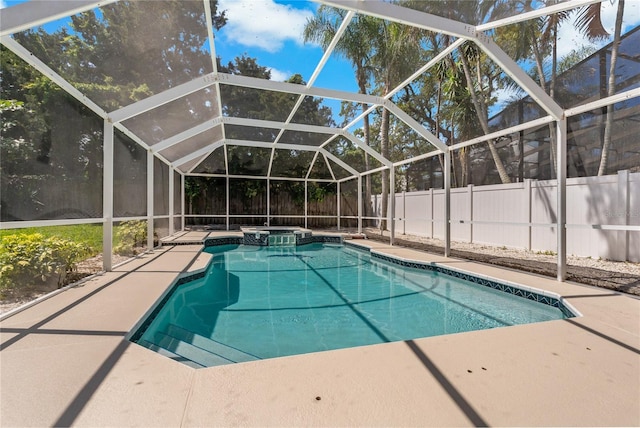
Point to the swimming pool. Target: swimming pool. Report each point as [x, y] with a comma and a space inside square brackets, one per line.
[254, 303]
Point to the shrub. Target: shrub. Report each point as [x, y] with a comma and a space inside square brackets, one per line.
[129, 236]
[28, 258]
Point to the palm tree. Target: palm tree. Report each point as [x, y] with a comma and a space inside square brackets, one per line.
[470, 59]
[468, 54]
[537, 38]
[590, 23]
[354, 45]
[396, 49]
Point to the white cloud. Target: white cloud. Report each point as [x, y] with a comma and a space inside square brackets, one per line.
[279, 75]
[3, 4]
[263, 23]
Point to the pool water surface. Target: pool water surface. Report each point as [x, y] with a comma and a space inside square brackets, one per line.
[264, 302]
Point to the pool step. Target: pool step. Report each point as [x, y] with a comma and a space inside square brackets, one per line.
[165, 352]
[227, 352]
[189, 351]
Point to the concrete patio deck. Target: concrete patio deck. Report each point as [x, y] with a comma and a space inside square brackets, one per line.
[65, 362]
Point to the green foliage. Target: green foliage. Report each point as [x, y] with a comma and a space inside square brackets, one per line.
[129, 236]
[575, 56]
[318, 191]
[28, 258]
[89, 235]
[49, 138]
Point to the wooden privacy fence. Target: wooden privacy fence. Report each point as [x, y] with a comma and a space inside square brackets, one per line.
[284, 210]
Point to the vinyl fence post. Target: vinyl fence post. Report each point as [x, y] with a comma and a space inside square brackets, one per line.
[623, 215]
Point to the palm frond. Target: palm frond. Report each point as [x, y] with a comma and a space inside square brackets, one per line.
[589, 22]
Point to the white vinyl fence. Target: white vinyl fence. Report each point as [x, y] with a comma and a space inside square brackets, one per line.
[523, 215]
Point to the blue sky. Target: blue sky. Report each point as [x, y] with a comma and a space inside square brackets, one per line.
[271, 31]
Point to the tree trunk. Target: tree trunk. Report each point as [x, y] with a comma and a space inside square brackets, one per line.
[611, 90]
[482, 117]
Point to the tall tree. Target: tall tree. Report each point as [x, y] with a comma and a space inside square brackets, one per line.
[589, 22]
[473, 63]
[480, 96]
[396, 53]
[537, 38]
[355, 46]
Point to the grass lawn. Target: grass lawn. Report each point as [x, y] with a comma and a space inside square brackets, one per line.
[90, 234]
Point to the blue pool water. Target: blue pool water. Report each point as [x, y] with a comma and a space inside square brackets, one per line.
[264, 302]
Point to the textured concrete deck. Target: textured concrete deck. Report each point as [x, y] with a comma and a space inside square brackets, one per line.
[65, 362]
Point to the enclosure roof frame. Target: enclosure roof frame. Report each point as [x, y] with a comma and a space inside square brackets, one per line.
[27, 15]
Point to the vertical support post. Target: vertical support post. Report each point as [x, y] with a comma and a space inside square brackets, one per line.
[527, 195]
[623, 211]
[150, 194]
[561, 230]
[171, 201]
[182, 204]
[338, 203]
[306, 204]
[447, 203]
[470, 196]
[226, 218]
[404, 212]
[360, 204]
[107, 197]
[392, 211]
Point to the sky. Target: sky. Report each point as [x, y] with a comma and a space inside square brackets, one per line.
[272, 32]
